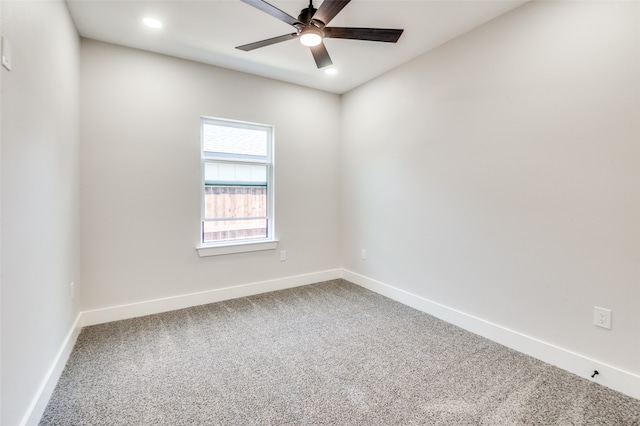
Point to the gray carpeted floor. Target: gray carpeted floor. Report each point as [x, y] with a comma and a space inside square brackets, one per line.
[328, 353]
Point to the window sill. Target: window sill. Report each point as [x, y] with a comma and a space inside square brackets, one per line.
[241, 247]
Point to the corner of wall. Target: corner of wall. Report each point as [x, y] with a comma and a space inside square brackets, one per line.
[50, 380]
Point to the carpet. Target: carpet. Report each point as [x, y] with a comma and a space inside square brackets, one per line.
[330, 353]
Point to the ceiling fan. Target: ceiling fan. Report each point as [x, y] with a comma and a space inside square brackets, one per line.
[311, 28]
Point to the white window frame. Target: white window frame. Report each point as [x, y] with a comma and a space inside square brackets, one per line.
[249, 244]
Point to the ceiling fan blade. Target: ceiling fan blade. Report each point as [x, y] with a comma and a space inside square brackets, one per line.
[321, 55]
[329, 9]
[272, 10]
[267, 42]
[372, 34]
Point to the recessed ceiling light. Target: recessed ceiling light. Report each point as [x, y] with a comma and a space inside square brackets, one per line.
[152, 22]
[331, 71]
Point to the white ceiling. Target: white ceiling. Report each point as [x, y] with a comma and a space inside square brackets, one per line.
[208, 30]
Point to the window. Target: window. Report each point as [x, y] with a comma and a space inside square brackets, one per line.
[237, 171]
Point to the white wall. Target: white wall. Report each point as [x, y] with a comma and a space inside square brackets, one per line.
[140, 175]
[39, 197]
[498, 175]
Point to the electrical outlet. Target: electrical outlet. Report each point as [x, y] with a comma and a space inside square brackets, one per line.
[363, 254]
[72, 291]
[283, 255]
[602, 317]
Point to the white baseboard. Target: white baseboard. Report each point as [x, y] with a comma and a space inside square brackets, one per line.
[610, 376]
[41, 399]
[149, 307]
[583, 366]
[115, 313]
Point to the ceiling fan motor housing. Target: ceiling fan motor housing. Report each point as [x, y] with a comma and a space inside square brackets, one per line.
[310, 30]
[307, 14]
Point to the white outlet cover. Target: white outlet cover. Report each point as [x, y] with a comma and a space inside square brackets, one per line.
[6, 53]
[602, 317]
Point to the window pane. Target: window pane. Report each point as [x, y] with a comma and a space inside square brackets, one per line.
[234, 140]
[228, 230]
[222, 202]
[237, 171]
[235, 174]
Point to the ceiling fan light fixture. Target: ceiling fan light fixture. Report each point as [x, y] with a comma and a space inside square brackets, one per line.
[311, 36]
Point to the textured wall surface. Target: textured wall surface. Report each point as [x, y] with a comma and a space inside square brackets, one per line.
[141, 178]
[500, 175]
[40, 210]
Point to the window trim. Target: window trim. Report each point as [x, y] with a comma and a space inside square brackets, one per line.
[245, 246]
[249, 244]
